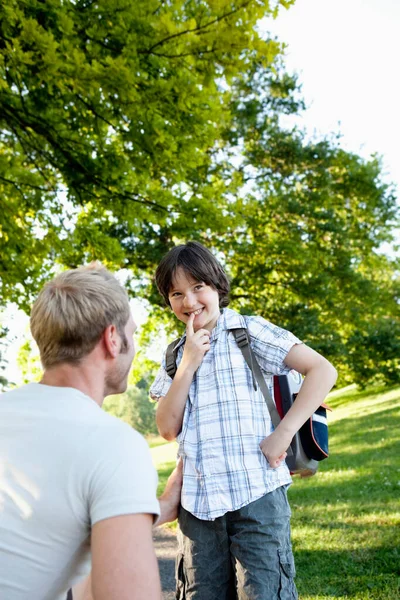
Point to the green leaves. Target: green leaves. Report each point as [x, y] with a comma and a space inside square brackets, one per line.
[128, 127]
[120, 104]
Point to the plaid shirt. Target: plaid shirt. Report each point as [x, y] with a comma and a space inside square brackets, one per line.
[225, 419]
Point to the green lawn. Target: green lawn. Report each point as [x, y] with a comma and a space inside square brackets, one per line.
[346, 519]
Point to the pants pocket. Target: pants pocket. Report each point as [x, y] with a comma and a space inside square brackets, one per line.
[180, 578]
[287, 588]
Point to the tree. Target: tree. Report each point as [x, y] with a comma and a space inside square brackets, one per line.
[129, 127]
[304, 224]
[375, 354]
[308, 254]
[107, 108]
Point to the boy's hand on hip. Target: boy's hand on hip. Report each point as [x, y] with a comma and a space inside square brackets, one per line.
[196, 345]
[274, 449]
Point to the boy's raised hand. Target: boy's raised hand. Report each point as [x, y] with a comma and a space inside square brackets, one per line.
[196, 345]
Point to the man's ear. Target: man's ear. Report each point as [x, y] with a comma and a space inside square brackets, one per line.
[112, 340]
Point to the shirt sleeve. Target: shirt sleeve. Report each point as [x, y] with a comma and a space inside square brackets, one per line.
[161, 384]
[271, 345]
[123, 480]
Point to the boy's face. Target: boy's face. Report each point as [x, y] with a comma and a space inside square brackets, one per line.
[189, 296]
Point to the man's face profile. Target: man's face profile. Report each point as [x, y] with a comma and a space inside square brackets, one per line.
[117, 378]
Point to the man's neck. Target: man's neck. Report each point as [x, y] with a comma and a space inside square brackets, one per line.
[85, 379]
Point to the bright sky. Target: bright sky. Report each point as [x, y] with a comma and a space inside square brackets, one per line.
[346, 53]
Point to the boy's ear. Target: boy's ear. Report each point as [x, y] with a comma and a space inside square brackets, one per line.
[111, 340]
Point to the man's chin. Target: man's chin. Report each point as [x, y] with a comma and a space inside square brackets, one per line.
[113, 388]
[122, 387]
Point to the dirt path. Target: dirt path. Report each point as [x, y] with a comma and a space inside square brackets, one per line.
[166, 547]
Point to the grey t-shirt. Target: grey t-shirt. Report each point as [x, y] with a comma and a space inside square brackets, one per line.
[64, 465]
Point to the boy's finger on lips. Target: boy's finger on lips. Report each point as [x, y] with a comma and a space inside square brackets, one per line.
[189, 325]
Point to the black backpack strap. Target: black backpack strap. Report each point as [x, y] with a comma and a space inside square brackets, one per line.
[170, 358]
[242, 339]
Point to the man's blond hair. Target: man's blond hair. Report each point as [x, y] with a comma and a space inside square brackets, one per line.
[73, 310]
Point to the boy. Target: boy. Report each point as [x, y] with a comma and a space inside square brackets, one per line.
[234, 538]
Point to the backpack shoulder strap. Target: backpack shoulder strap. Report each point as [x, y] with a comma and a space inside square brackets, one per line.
[242, 339]
[170, 358]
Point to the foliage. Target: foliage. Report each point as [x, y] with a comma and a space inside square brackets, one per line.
[135, 408]
[129, 127]
[144, 369]
[345, 520]
[303, 225]
[106, 109]
[376, 354]
[28, 361]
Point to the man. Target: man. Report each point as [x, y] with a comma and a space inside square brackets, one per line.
[75, 481]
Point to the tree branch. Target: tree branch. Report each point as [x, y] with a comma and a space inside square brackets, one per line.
[195, 29]
[21, 184]
[183, 55]
[94, 112]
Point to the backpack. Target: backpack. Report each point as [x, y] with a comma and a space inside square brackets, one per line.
[310, 444]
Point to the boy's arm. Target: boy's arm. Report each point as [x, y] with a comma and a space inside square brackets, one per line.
[171, 407]
[320, 376]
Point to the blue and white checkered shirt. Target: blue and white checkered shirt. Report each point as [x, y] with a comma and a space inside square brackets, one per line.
[225, 419]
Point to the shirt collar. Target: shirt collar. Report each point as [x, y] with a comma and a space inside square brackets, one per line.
[229, 319]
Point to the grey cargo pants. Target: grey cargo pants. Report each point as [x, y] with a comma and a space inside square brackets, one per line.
[244, 555]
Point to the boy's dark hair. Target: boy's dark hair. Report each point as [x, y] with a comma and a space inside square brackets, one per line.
[199, 263]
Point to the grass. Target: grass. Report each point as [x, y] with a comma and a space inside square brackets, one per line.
[346, 519]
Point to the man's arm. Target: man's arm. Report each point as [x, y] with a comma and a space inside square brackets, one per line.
[169, 507]
[124, 564]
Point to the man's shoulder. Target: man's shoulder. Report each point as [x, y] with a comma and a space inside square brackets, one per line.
[108, 429]
[72, 414]
[109, 444]
[114, 426]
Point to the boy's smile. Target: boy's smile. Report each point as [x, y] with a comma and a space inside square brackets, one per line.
[188, 296]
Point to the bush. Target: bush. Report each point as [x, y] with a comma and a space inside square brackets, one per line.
[376, 354]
